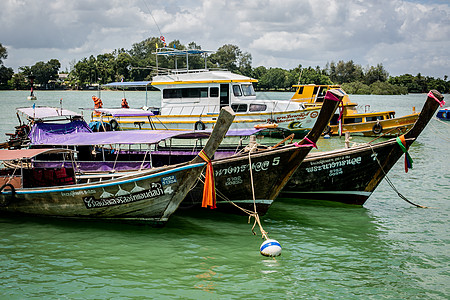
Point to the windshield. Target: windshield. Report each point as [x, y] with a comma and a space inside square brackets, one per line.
[248, 90]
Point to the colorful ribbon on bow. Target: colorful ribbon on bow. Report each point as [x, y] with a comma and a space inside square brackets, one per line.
[209, 189]
[312, 144]
[408, 160]
[441, 103]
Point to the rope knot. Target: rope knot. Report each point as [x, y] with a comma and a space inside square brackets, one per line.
[408, 160]
[209, 188]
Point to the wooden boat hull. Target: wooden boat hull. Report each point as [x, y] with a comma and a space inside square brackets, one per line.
[351, 175]
[348, 176]
[149, 196]
[146, 197]
[270, 171]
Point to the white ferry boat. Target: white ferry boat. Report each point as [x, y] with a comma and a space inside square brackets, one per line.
[192, 99]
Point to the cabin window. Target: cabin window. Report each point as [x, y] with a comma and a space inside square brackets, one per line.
[352, 120]
[248, 90]
[239, 107]
[316, 89]
[300, 90]
[185, 93]
[171, 93]
[369, 119]
[237, 90]
[334, 119]
[392, 115]
[214, 92]
[257, 107]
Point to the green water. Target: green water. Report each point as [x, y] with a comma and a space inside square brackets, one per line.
[386, 249]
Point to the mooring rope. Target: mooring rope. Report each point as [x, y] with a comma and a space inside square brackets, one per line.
[438, 131]
[391, 184]
[250, 213]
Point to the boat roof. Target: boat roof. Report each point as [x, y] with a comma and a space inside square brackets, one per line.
[43, 112]
[128, 84]
[314, 85]
[19, 154]
[201, 76]
[167, 51]
[124, 112]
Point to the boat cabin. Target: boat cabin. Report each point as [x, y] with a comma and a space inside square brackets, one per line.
[206, 91]
[19, 170]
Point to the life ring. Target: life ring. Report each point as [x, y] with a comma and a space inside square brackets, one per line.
[114, 125]
[199, 125]
[377, 128]
[13, 194]
[294, 125]
[327, 130]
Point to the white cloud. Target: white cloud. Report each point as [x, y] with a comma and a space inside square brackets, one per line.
[406, 36]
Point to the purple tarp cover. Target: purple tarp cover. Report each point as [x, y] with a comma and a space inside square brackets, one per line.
[41, 133]
[109, 137]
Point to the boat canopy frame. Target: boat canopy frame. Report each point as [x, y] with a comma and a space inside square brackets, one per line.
[167, 51]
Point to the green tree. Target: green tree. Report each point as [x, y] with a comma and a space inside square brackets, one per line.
[44, 72]
[5, 75]
[123, 65]
[18, 82]
[275, 78]
[311, 76]
[356, 88]
[385, 88]
[230, 57]
[374, 74]
[344, 72]
[3, 53]
[105, 67]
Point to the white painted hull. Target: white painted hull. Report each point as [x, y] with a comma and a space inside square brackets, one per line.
[292, 121]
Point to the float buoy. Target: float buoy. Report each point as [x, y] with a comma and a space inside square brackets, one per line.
[377, 128]
[7, 201]
[114, 125]
[270, 248]
[199, 125]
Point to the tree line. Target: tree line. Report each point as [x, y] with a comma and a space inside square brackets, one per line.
[138, 63]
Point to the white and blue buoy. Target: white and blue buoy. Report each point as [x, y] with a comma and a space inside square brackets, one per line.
[270, 247]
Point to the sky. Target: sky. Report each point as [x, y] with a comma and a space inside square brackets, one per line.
[407, 37]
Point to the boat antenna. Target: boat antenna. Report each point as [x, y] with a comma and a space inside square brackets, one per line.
[160, 34]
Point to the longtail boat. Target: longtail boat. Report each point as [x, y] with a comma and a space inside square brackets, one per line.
[351, 175]
[349, 119]
[149, 196]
